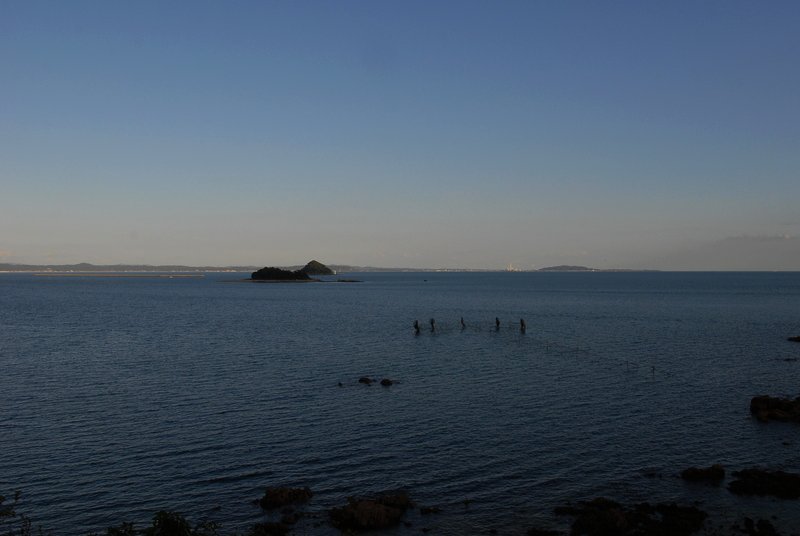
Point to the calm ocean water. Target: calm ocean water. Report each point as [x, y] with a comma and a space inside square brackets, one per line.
[123, 396]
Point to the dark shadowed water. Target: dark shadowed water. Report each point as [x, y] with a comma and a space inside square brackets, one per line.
[120, 397]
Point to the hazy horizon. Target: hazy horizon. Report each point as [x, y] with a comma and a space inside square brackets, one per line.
[446, 135]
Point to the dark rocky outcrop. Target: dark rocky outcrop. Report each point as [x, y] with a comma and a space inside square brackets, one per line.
[794, 339]
[604, 517]
[768, 408]
[316, 268]
[757, 481]
[277, 497]
[760, 528]
[269, 529]
[711, 475]
[376, 513]
[386, 382]
[270, 273]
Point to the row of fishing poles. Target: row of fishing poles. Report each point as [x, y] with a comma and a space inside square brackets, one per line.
[522, 326]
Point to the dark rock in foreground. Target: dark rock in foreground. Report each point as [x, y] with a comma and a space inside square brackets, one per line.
[604, 517]
[269, 529]
[761, 528]
[370, 514]
[276, 497]
[794, 339]
[542, 532]
[763, 482]
[712, 475]
[270, 273]
[767, 408]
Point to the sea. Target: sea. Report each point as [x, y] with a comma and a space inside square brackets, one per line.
[123, 396]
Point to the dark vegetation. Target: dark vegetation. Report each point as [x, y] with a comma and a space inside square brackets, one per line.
[270, 273]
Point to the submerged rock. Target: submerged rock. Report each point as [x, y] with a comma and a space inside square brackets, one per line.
[370, 514]
[794, 339]
[757, 481]
[767, 408]
[277, 497]
[428, 510]
[712, 475]
[365, 380]
[604, 517]
[386, 382]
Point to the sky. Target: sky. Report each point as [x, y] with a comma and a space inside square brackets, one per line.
[428, 134]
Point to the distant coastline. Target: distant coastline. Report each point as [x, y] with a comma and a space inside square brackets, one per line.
[339, 268]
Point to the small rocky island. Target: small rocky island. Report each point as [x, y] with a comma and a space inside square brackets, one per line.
[270, 273]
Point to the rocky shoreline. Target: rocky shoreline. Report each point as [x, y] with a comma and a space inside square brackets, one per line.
[285, 512]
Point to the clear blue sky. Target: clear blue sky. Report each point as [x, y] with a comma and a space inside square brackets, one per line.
[421, 134]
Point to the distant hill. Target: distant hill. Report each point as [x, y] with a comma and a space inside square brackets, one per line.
[316, 268]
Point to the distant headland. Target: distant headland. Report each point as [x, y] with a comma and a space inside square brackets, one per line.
[570, 268]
